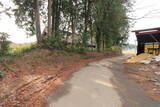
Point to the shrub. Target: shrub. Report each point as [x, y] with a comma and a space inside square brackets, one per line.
[2, 73]
[4, 43]
[116, 49]
[52, 43]
[23, 48]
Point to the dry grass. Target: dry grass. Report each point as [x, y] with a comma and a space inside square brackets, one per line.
[129, 52]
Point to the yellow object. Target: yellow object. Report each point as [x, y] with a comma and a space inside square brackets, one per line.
[151, 48]
[138, 58]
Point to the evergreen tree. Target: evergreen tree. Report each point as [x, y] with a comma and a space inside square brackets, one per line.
[102, 22]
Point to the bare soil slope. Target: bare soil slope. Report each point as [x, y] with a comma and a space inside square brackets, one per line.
[32, 77]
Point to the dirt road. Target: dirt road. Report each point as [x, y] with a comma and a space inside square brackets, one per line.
[100, 84]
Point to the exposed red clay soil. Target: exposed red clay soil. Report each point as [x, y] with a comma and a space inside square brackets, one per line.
[146, 77]
[32, 77]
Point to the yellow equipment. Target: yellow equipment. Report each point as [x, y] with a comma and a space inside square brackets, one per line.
[152, 48]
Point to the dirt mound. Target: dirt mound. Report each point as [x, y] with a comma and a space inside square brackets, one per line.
[138, 58]
[32, 77]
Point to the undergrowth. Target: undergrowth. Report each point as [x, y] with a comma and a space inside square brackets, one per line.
[2, 73]
[20, 49]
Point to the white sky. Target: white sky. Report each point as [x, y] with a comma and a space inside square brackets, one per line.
[141, 7]
[8, 25]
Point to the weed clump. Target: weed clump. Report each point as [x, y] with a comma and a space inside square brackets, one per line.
[2, 73]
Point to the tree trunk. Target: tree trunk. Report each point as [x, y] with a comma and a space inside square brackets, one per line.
[103, 40]
[90, 20]
[85, 23]
[57, 17]
[72, 20]
[38, 25]
[98, 39]
[73, 31]
[53, 17]
[49, 18]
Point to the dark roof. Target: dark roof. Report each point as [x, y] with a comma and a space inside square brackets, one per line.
[150, 29]
[147, 31]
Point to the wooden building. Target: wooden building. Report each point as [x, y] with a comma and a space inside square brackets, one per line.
[148, 41]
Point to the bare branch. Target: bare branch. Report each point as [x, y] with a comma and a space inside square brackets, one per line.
[5, 10]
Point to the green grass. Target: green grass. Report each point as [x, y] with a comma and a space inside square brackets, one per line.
[2, 73]
[19, 49]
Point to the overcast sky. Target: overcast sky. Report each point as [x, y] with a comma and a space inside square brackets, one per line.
[151, 8]
[141, 8]
[8, 25]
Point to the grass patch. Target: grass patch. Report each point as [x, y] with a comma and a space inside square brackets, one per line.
[22, 48]
[2, 73]
[17, 50]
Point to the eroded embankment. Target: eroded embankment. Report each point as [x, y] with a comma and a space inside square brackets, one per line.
[32, 77]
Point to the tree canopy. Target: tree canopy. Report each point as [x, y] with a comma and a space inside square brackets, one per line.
[76, 22]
